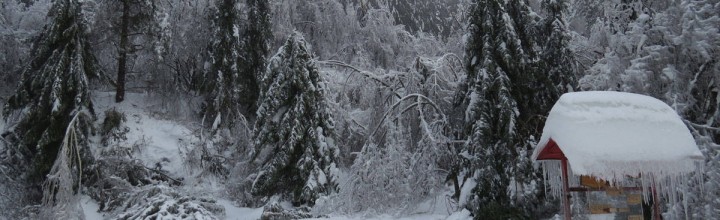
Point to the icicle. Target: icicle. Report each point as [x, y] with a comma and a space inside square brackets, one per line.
[545, 177]
[552, 175]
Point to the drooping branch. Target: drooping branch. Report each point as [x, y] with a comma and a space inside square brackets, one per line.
[59, 199]
[700, 126]
[367, 74]
[420, 100]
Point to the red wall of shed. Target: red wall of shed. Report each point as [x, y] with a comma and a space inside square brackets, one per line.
[551, 152]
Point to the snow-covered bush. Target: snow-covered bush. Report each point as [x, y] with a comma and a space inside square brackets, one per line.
[275, 211]
[111, 129]
[163, 202]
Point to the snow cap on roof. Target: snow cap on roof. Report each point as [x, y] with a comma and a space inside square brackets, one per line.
[613, 134]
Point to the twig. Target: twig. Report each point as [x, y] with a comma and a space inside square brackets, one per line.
[699, 126]
[407, 97]
[358, 124]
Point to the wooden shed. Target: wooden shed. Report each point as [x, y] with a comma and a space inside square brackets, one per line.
[607, 138]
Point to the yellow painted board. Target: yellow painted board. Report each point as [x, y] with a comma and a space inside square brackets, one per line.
[592, 182]
[634, 199]
[635, 217]
[613, 192]
[599, 208]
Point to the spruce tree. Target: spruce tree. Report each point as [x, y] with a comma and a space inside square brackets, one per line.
[52, 90]
[257, 45]
[557, 60]
[501, 91]
[294, 131]
[223, 90]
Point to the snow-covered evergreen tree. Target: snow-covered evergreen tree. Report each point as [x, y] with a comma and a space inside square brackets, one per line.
[427, 16]
[556, 56]
[506, 89]
[53, 89]
[223, 90]
[257, 40]
[494, 52]
[294, 132]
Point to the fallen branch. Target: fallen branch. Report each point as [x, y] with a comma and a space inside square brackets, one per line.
[178, 182]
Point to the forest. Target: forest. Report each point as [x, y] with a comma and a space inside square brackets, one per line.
[330, 109]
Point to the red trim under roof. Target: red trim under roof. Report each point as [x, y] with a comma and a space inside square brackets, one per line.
[551, 151]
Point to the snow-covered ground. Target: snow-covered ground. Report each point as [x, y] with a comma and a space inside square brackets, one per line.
[233, 212]
[164, 140]
[165, 145]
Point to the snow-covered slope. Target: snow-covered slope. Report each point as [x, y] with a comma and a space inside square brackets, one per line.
[163, 144]
[164, 140]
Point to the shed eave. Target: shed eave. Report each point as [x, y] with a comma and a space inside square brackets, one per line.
[551, 151]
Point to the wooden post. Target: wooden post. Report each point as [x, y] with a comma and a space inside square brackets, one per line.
[566, 190]
[656, 202]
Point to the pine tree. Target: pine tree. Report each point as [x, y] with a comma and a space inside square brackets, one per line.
[501, 91]
[294, 132]
[223, 90]
[53, 89]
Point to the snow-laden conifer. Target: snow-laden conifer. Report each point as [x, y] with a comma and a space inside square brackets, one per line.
[294, 133]
[225, 87]
[501, 93]
[53, 89]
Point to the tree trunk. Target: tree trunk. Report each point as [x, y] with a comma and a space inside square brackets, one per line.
[122, 58]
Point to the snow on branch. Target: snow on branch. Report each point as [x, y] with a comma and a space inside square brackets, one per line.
[60, 200]
[700, 126]
[421, 100]
[380, 80]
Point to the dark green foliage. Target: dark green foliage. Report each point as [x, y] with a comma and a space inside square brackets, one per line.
[507, 91]
[557, 61]
[225, 87]
[294, 131]
[53, 89]
[496, 211]
[237, 55]
[257, 46]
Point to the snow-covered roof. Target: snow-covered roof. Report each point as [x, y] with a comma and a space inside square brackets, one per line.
[613, 134]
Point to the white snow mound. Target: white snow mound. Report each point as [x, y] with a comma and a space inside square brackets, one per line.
[613, 134]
